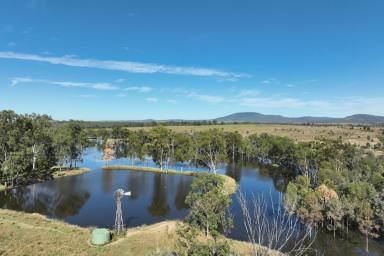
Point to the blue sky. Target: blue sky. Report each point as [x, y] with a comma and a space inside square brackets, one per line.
[119, 60]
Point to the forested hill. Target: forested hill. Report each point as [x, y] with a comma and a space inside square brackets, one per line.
[254, 117]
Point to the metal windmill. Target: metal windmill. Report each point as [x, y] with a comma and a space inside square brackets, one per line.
[119, 224]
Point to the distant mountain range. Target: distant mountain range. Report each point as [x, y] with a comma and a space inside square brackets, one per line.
[254, 117]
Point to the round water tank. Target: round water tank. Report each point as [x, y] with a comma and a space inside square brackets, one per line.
[100, 236]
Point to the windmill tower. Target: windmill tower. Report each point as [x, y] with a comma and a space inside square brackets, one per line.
[119, 224]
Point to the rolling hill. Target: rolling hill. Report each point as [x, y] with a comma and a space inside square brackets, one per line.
[254, 117]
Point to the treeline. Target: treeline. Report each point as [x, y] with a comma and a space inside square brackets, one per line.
[145, 123]
[338, 185]
[30, 146]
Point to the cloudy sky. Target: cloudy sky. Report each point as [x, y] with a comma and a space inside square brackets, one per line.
[119, 60]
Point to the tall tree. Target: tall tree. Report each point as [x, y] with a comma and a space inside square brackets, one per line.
[159, 146]
[75, 140]
[211, 149]
[234, 143]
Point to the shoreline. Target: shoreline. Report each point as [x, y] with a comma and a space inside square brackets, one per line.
[55, 175]
[229, 184]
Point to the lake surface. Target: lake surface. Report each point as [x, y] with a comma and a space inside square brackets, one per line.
[87, 200]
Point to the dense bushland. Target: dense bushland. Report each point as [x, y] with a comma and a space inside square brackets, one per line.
[30, 147]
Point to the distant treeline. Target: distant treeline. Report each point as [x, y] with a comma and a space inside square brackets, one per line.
[145, 123]
[152, 123]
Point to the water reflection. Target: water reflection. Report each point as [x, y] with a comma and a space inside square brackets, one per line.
[57, 200]
[181, 193]
[159, 205]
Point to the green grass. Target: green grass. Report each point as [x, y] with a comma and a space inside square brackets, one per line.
[148, 169]
[69, 172]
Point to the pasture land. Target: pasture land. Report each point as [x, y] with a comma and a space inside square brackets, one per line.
[354, 134]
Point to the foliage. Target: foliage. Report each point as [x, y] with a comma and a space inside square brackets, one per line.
[208, 204]
[30, 147]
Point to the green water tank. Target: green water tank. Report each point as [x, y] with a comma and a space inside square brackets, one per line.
[100, 236]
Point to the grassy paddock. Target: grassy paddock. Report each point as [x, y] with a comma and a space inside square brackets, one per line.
[348, 133]
[34, 234]
[229, 184]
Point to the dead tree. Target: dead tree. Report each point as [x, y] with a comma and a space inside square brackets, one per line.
[272, 227]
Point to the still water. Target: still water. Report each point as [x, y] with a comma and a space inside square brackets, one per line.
[87, 200]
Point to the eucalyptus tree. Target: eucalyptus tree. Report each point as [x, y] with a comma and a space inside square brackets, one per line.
[74, 140]
[132, 145]
[233, 142]
[159, 145]
[211, 149]
[40, 140]
[182, 147]
[7, 125]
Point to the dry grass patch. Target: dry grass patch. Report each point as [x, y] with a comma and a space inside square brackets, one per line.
[348, 133]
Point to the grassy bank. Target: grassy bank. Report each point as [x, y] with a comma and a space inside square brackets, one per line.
[229, 184]
[57, 174]
[33, 234]
[69, 172]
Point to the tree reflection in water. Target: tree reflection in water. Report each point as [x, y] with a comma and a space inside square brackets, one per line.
[182, 190]
[159, 205]
[54, 199]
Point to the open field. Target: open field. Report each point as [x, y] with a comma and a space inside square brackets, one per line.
[348, 133]
[229, 185]
[33, 234]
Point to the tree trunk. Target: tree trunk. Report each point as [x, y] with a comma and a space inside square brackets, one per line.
[34, 157]
[366, 242]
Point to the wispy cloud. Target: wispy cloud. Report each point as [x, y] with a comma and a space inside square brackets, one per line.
[206, 98]
[248, 93]
[270, 81]
[195, 95]
[119, 80]
[126, 66]
[139, 88]
[152, 99]
[97, 86]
